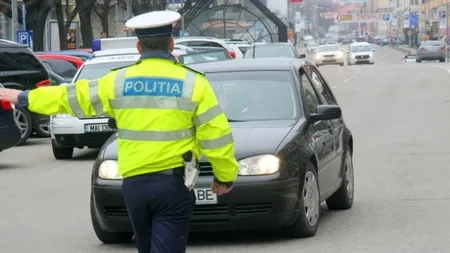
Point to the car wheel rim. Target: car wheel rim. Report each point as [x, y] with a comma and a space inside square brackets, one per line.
[349, 177]
[22, 121]
[45, 128]
[311, 198]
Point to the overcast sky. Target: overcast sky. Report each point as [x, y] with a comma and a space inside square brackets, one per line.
[278, 5]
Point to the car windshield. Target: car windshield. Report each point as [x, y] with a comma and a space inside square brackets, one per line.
[360, 48]
[94, 71]
[330, 48]
[312, 44]
[270, 51]
[432, 44]
[255, 95]
[218, 55]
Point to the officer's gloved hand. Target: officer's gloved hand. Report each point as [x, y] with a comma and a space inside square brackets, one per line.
[221, 188]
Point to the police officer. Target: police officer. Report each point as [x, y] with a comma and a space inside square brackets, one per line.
[163, 110]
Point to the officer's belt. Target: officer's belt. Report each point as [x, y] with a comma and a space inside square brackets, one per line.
[179, 171]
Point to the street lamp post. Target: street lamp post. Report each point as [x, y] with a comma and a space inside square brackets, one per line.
[14, 17]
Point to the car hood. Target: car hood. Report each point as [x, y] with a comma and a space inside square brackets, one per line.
[251, 138]
[361, 53]
[330, 52]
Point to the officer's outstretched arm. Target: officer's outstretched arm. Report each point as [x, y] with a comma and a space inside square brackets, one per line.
[85, 98]
[214, 133]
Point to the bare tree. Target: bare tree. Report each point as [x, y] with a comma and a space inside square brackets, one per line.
[102, 10]
[143, 6]
[37, 12]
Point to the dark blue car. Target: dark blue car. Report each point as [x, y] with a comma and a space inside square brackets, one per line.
[9, 129]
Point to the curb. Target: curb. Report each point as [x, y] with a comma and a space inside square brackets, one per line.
[403, 49]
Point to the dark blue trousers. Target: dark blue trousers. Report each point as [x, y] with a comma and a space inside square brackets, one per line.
[160, 209]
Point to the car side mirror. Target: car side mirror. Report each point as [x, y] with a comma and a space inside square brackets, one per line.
[326, 112]
[112, 123]
[302, 56]
[373, 50]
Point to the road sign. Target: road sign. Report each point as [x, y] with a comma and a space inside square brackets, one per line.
[414, 19]
[442, 14]
[386, 17]
[409, 33]
[26, 38]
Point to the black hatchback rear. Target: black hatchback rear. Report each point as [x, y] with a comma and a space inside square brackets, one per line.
[9, 129]
[20, 69]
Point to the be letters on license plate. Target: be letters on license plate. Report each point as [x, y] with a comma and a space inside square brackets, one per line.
[97, 128]
[205, 196]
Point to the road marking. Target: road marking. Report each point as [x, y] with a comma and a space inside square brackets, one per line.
[334, 86]
[346, 80]
[443, 67]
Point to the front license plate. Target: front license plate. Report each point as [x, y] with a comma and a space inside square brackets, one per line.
[97, 128]
[205, 196]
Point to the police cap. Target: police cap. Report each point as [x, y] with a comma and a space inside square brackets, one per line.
[154, 23]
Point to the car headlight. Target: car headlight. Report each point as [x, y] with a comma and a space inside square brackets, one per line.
[63, 116]
[109, 170]
[340, 54]
[318, 56]
[259, 165]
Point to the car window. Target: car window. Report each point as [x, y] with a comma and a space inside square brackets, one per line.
[270, 51]
[65, 68]
[255, 95]
[309, 94]
[14, 59]
[48, 66]
[360, 48]
[199, 44]
[320, 86]
[330, 48]
[95, 71]
[215, 44]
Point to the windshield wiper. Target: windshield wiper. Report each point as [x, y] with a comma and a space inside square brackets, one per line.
[234, 120]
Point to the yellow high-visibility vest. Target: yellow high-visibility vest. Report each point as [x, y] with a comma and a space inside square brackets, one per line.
[163, 110]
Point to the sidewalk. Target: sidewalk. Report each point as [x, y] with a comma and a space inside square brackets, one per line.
[404, 49]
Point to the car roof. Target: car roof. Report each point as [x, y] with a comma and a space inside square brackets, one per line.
[58, 56]
[327, 45]
[360, 43]
[113, 52]
[248, 65]
[113, 58]
[8, 43]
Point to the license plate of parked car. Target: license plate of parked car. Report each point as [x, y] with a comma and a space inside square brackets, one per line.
[97, 128]
[205, 196]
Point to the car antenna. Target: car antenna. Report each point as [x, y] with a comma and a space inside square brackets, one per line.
[254, 49]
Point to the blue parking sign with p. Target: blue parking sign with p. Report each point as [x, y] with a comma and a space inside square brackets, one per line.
[442, 14]
[25, 37]
[386, 17]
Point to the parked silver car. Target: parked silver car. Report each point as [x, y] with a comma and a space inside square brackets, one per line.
[430, 50]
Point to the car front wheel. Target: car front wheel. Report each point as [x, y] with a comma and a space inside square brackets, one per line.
[25, 122]
[342, 199]
[61, 153]
[102, 235]
[309, 211]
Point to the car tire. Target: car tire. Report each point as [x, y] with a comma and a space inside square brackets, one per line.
[306, 224]
[341, 64]
[342, 199]
[107, 237]
[43, 130]
[25, 122]
[61, 153]
[442, 60]
[418, 60]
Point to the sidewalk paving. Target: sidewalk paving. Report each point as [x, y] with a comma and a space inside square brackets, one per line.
[404, 49]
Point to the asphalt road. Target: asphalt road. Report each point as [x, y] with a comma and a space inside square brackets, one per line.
[399, 115]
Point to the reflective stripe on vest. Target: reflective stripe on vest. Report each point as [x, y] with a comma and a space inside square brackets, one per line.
[184, 103]
[216, 143]
[94, 97]
[208, 115]
[73, 100]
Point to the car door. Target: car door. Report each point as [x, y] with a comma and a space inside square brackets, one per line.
[337, 126]
[322, 135]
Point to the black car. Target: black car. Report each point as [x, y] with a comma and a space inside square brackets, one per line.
[292, 144]
[63, 68]
[22, 70]
[9, 129]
